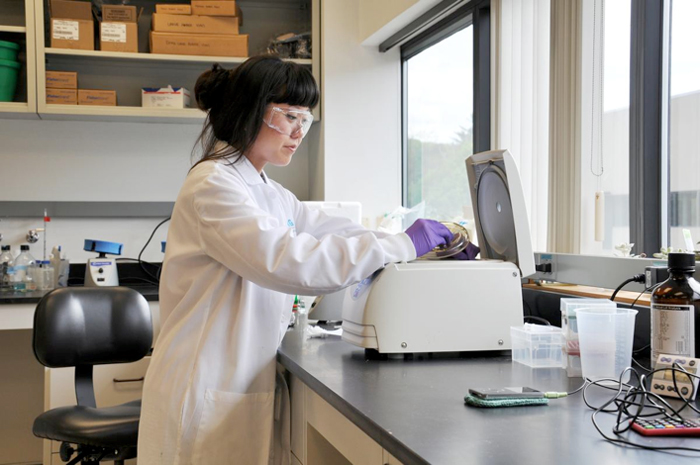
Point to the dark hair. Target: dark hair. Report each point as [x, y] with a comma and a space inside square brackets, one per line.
[235, 101]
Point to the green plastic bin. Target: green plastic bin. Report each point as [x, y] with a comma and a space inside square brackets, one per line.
[8, 50]
[8, 79]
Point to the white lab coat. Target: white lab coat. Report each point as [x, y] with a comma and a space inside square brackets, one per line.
[239, 244]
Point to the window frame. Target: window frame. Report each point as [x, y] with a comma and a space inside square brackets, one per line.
[476, 13]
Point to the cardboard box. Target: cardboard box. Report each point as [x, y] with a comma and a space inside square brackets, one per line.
[194, 24]
[119, 37]
[120, 13]
[77, 34]
[61, 80]
[199, 44]
[173, 9]
[72, 25]
[62, 96]
[119, 29]
[97, 97]
[214, 7]
[166, 97]
[71, 9]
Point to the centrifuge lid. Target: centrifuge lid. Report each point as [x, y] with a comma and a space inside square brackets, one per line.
[500, 215]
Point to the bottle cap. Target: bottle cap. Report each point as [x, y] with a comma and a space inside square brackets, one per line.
[5, 248]
[681, 261]
[24, 247]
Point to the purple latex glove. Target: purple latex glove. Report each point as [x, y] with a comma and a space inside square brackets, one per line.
[469, 253]
[428, 234]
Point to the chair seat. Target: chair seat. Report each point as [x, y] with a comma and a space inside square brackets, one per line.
[116, 426]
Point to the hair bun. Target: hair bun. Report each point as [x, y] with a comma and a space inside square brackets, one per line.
[210, 87]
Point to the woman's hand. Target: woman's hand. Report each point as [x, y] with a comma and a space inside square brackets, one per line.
[428, 234]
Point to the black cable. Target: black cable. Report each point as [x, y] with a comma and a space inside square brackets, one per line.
[537, 318]
[638, 402]
[638, 278]
[650, 288]
[580, 388]
[156, 277]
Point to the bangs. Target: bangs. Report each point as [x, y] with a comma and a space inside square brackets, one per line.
[296, 87]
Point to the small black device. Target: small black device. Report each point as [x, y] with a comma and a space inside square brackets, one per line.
[506, 393]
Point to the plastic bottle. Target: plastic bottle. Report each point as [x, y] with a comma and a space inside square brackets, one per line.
[7, 263]
[23, 280]
[302, 315]
[60, 267]
[295, 310]
[675, 310]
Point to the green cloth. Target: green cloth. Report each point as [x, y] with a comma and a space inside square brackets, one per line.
[507, 402]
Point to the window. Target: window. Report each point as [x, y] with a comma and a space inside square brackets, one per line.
[439, 107]
[684, 121]
[605, 165]
[446, 73]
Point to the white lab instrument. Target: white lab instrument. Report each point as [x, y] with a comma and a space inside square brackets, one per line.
[102, 270]
[453, 305]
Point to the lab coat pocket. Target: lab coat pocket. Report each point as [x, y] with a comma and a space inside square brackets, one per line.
[234, 428]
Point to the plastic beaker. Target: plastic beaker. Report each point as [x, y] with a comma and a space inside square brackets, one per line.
[605, 337]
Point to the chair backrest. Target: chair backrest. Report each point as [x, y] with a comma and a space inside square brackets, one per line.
[91, 326]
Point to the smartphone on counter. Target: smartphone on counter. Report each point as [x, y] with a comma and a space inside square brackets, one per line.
[506, 393]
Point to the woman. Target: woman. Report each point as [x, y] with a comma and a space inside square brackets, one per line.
[239, 246]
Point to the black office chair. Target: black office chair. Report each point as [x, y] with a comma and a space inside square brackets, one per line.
[82, 327]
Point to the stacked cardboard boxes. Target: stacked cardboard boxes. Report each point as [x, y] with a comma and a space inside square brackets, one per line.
[62, 88]
[212, 29]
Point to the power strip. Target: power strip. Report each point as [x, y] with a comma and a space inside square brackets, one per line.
[662, 382]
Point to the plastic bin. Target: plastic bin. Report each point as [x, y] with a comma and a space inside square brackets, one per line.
[8, 79]
[8, 50]
[537, 346]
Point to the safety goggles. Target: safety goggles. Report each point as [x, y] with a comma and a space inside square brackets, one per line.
[289, 122]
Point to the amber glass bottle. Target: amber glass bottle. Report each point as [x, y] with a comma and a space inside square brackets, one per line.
[675, 310]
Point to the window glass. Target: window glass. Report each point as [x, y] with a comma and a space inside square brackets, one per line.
[684, 116]
[439, 85]
[614, 159]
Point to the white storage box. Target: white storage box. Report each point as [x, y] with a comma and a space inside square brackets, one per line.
[167, 97]
[537, 346]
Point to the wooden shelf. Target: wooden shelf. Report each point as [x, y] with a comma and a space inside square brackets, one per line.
[124, 113]
[17, 29]
[150, 57]
[626, 297]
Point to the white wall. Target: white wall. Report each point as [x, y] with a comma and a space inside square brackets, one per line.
[89, 161]
[361, 140]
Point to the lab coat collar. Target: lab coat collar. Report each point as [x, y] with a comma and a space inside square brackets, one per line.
[244, 167]
[248, 171]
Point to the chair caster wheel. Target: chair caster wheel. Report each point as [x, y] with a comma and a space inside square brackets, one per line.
[66, 451]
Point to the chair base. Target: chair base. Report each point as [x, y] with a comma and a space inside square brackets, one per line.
[91, 454]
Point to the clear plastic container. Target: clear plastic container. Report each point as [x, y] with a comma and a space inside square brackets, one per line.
[572, 356]
[606, 336]
[43, 275]
[537, 346]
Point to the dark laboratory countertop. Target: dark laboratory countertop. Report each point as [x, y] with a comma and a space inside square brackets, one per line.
[130, 275]
[415, 408]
